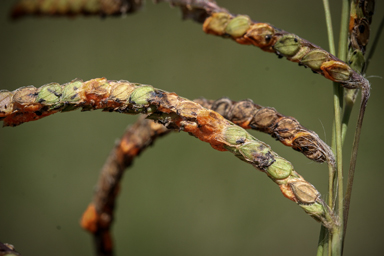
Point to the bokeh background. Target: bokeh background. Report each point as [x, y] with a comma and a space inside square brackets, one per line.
[181, 197]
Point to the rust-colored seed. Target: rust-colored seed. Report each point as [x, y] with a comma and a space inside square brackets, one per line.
[261, 35]
[336, 71]
[286, 128]
[181, 114]
[246, 114]
[309, 147]
[216, 24]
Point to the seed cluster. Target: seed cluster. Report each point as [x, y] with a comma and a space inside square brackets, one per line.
[71, 7]
[359, 32]
[31, 103]
[286, 129]
[270, 39]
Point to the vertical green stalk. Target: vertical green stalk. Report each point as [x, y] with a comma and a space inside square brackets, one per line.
[337, 233]
[323, 241]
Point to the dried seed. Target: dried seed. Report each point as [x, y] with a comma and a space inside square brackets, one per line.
[121, 91]
[264, 119]
[261, 34]
[305, 192]
[222, 106]
[216, 23]
[25, 95]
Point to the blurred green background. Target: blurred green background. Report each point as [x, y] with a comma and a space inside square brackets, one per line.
[181, 197]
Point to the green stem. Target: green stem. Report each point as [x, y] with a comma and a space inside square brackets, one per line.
[337, 233]
[328, 19]
[343, 41]
[323, 242]
[336, 247]
[336, 241]
[350, 98]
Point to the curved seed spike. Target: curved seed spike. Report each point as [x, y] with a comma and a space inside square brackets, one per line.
[74, 7]
[272, 39]
[240, 28]
[116, 96]
[286, 129]
[119, 95]
[99, 216]
[179, 113]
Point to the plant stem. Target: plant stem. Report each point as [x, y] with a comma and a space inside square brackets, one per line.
[328, 20]
[337, 232]
[323, 242]
[359, 66]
